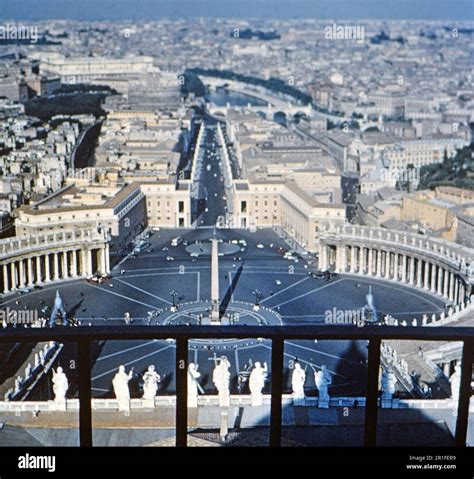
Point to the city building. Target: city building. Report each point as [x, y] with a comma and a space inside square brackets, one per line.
[119, 210]
[84, 69]
[283, 204]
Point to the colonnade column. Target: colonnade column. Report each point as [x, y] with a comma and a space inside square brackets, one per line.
[107, 258]
[440, 285]
[412, 270]
[74, 263]
[433, 278]
[427, 272]
[340, 251]
[451, 286]
[353, 252]
[47, 273]
[13, 275]
[404, 268]
[21, 270]
[102, 259]
[65, 272]
[387, 265]
[5, 277]
[30, 275]
[460, 297]
[369, 262]
[323, 260]
[39, 274]
[446, 283]
[456, 290]
[419, 281]
[56, 266]
[88, 262]
[379, 263]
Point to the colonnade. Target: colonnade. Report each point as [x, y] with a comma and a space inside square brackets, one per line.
[36, 262]
[397, 261]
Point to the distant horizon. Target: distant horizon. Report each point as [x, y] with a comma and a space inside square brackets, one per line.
[258, 10]
[4, 20]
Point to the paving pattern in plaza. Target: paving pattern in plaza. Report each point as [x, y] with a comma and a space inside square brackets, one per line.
[143, 285]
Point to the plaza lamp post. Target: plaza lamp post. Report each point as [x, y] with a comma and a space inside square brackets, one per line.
[258, 296]
[174, 295]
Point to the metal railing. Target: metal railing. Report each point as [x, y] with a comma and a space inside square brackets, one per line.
[82, 337]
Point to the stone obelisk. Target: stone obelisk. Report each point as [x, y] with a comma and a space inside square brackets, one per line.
[215, 317]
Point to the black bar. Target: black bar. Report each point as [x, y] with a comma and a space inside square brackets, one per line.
[464, 394]
[277, 391]
[372, 393]
[322, 332]
[85, 414]
[181, 392]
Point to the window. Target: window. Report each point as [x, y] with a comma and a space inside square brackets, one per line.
[181, 207]
[243, 207]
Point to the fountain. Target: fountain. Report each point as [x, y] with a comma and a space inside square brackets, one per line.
[58, 315]
[369, 312]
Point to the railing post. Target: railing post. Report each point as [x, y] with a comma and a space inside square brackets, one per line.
[85, 414]
[371, 402]
[464, 394]
[181, 392]
[277, 392]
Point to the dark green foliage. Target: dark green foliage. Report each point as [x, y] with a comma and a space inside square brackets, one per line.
[274, 84]
[71, 104]
[192, 84]
[457, 171]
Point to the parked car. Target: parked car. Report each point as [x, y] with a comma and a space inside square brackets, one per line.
[141, 247]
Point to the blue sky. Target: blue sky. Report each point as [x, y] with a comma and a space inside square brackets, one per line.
[154, 9]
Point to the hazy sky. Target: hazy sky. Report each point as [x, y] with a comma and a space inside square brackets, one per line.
[155, 9]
